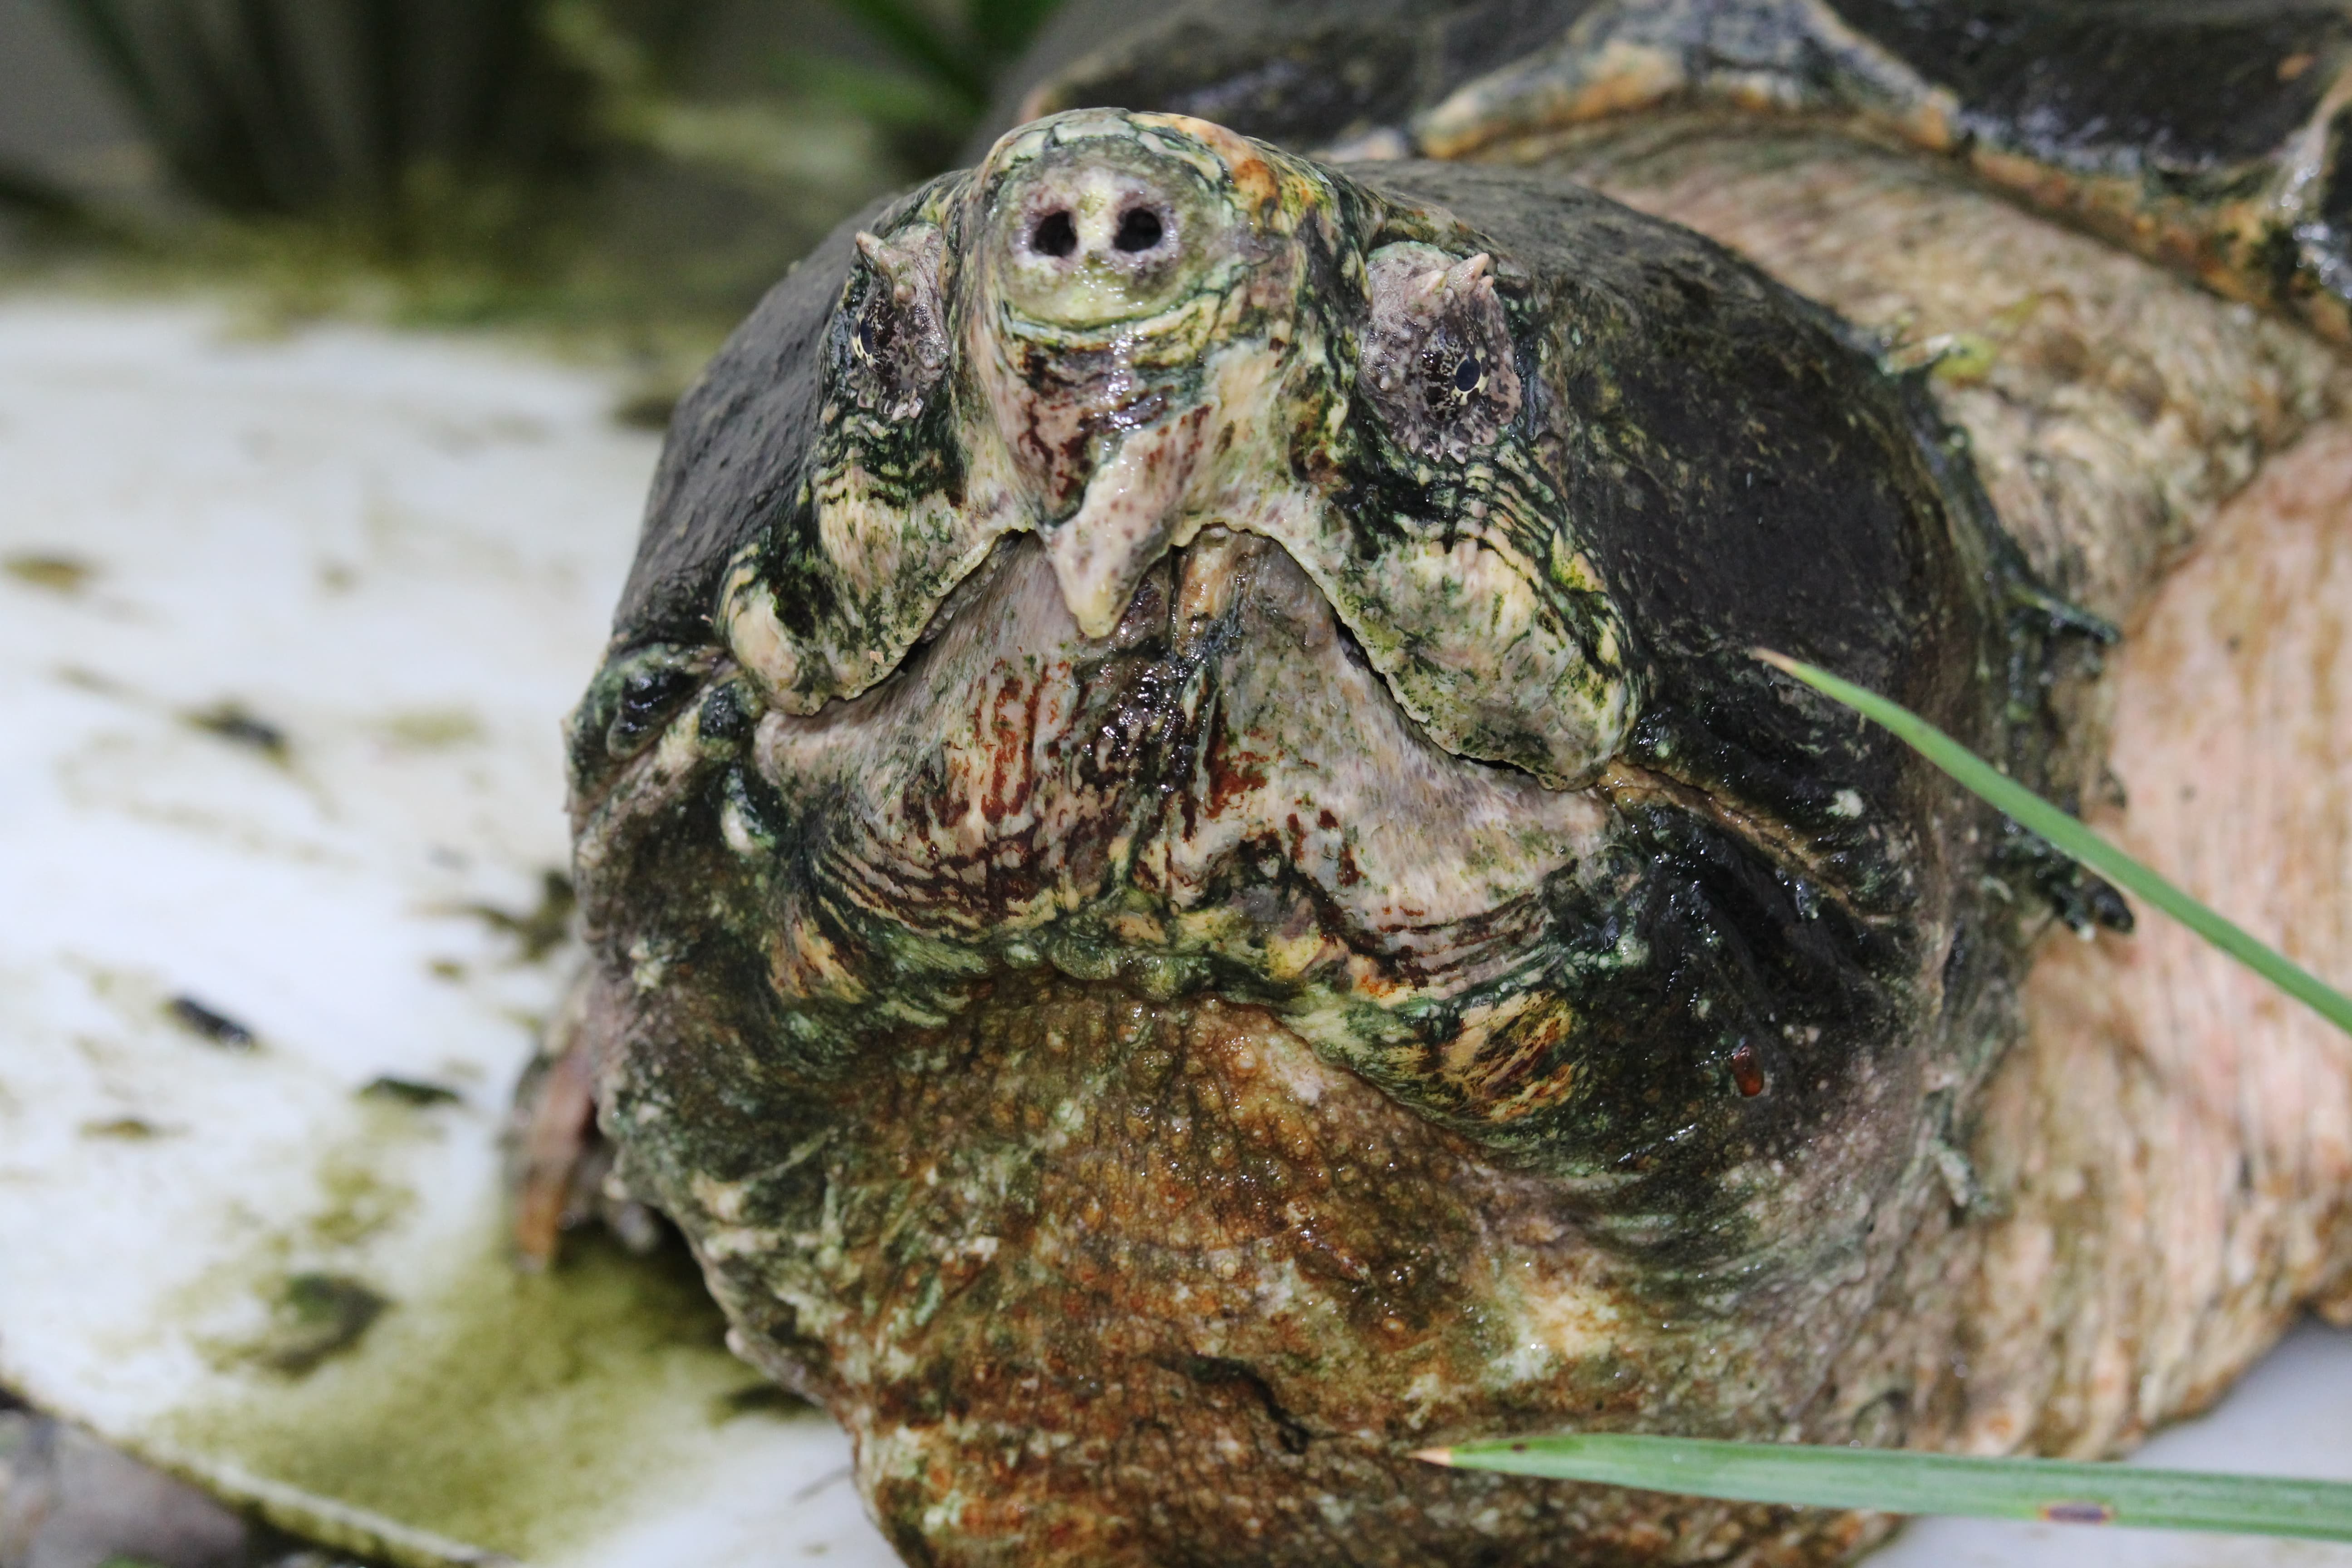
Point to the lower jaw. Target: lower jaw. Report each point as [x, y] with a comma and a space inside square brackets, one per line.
[1095, 1279]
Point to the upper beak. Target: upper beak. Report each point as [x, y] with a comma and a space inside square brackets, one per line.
[1128, 518]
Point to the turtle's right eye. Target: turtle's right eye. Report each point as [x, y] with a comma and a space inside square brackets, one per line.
[898, 339]
[1466, 585]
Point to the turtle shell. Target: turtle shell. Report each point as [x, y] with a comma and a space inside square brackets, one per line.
[2208, 134]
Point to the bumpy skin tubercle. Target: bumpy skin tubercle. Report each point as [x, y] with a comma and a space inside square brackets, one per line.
[1193, 889]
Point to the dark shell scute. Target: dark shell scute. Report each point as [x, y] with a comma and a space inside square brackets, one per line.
[1299, 71]
[2177, 89]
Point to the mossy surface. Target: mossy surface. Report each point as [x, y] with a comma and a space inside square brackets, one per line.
[514, 1412]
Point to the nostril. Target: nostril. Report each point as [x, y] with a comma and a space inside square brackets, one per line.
[1054, 235]
[1141, 229]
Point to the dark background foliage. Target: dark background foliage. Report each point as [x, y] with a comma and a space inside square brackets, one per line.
[650, 164]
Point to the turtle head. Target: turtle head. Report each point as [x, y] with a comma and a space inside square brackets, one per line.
[1123, 328]
[1136, 930]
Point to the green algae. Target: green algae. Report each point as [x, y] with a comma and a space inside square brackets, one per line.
[59, 574]
[542, 928]
[508, 1411]
[434, 729]
[361, 1205]
[317, 1316]
[424, 1408]
[232, 721]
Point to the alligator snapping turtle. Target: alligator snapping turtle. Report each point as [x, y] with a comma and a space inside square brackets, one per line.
[1193, 887]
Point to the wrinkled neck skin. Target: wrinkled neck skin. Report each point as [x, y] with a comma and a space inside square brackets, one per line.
[1195, 928]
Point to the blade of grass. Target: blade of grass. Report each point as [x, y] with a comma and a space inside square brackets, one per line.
[2038, 815]
[1903, 1482]
[1896, 1481]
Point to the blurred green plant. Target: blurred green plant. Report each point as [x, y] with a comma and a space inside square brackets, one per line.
[773, 141]
[35, 196]
[943, 64]
[584, 162]
[396, 122]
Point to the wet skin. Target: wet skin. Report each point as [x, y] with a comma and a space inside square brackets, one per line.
[1194, 887]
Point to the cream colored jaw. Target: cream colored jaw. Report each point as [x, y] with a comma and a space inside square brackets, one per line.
[1128, 520]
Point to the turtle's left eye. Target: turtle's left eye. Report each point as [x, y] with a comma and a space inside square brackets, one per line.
[1437, 356]
[1450, 380]
[898, 343]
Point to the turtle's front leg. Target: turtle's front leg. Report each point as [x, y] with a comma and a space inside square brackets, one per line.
[560, 1167]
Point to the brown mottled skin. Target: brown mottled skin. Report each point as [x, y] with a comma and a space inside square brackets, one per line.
[1191, 897]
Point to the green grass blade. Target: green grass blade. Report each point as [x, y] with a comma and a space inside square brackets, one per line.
[2038, 815]
[1898, 1481]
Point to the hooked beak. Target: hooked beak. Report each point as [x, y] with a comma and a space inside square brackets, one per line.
[1110, 249]
[1128, 518]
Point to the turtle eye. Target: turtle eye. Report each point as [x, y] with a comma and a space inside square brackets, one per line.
[1450, 380]
[898, 343]
[1437, 356]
